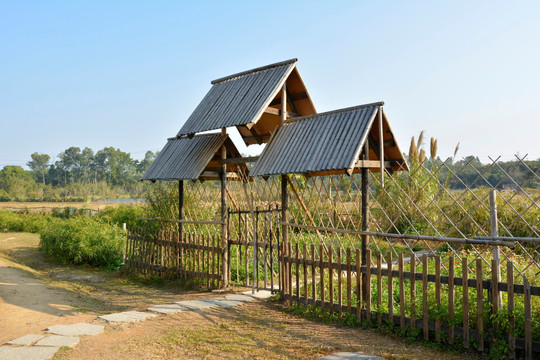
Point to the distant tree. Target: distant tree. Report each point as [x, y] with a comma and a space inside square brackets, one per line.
[39, 164]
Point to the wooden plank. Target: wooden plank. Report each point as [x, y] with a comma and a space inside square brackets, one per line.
[413, 291]
[358, 287]
[495, 295]
[438, 298]
[451, 273]
[367, 285]
[401, 294]
[511, 316]
[528, 320]
[330, 278]
[340, 283]
[479, 305]
[465, 277]
[349, 305]
[425, 316]
[321, 267]
[379, 288]
[297, 273]
[306, 284]
[289, 270]
[390, 317]
[313, 279]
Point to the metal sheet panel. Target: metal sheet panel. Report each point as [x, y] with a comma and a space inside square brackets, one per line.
[184, 159]
[238, 99]
[317, 143]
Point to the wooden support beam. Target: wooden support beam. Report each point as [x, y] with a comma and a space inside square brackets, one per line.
[277, 112]
[264, 138]
[365, 218]
[373, 164]
[241, 160]
[293, 97]
[256, 136]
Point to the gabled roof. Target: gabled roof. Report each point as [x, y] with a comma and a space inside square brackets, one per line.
[329, 143]
[250, 101]
[196, 158]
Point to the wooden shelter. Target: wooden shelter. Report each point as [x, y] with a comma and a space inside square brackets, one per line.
[331, 143]
[252, 102]
[196, 158]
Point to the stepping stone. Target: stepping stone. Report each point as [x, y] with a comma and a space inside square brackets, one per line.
[76, 329]
[25, 340]
[224, 303]
[351, 356]
[127, 316]
[166, 308]
[27, 353]
[195, 304]
[263, 294]
[239, 297]
[58, 341]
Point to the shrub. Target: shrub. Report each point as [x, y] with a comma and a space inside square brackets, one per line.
[129, 214]
[80, 240]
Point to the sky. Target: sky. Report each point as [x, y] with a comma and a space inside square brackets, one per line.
[129, 73]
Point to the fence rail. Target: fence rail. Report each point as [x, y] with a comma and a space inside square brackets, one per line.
[463, 308]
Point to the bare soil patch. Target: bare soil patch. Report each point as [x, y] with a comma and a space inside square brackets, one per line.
[258, 330]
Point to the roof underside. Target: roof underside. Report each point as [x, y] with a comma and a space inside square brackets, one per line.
[251, 101]
[329, 143]
[196, 158]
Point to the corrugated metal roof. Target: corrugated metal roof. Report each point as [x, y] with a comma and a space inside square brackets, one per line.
[322, 142]
[238, 99]
[185, 158]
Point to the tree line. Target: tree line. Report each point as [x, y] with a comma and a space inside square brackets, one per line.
[76, 175]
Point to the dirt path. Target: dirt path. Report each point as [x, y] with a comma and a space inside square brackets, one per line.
[27, 305]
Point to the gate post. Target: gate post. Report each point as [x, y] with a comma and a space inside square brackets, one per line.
[365, 223]
[224, 241]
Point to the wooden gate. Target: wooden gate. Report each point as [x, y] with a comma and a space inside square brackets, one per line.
[253, 246]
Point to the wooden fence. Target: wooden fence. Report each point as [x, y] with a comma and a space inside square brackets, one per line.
[161, 253]
[421, 302]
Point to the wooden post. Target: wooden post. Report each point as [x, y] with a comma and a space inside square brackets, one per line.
[511, 316]
[451, 272]
[224, 240]
[180, 225]
[283, 104]
[465, 276]
[479, 305]
[365, 216]
[381, 145]
[527, 316]
[284, 209]
[413, 290]
[425, 316]
[495, 232]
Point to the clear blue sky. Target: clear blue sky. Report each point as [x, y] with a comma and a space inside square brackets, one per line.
[129, 73]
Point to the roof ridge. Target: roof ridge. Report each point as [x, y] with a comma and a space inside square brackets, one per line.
[290, 61]
[185, 136]
[296, 119]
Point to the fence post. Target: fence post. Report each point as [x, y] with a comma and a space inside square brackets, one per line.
[528, 321]
[365, 215]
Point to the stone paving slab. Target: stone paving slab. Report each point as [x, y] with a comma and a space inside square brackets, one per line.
[166, 308]
[58, 341]
[26, 340]
[351, 356]
[27, 353]
[127, 316]
[263, 294]
[224, 302]
[239, 297]
[195, 304]
[76, 329]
